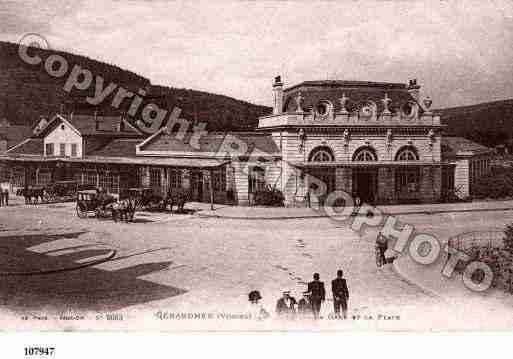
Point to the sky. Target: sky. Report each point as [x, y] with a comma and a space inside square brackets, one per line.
[460, 52]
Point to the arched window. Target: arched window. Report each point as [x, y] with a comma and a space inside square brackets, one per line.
[407, 153]
[321, 154]
[365, 154]
[323, 108]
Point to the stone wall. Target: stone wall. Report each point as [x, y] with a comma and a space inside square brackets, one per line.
[344, 179]
[239, 172]
[461, 178]
[292, 151]
[430, 184]
[386, 185]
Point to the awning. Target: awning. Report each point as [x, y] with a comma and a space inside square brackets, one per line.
[369, 164]
[155, 161]
[148, 161]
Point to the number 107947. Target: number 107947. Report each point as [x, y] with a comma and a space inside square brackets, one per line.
[39, 351]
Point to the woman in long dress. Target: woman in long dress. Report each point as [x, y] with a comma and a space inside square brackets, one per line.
[256, 310]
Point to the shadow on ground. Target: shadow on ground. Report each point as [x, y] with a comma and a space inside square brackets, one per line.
[82, 289]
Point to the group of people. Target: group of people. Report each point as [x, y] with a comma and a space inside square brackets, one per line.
[310, 304]
[4, 197]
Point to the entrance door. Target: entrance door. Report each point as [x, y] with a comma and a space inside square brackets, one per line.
[326, 176]
[365, 184]
[196, 186]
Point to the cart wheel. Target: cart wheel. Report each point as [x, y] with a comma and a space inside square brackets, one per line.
[131, 215]
[81, 213]
[379, 262]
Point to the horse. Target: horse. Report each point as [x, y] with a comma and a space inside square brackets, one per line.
[178, 196]
[104, 204]
[123, 210]
[32, 195]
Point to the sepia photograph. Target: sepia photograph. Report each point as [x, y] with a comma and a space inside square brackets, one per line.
[255, 166]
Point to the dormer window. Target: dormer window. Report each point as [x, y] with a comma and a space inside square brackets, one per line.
[323, 108]
[367, 110]
[408, 110]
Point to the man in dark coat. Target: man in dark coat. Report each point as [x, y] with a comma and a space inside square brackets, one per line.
[340, 294]
[6, 196]
[286, 306]
[317, 294]
[381, 248]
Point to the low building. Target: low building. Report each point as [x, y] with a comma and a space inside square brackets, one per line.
[471, 160]
[376, 141]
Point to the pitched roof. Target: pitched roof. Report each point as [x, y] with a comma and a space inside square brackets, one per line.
[459, 146]
[87, 126]
[210, 143]
[14, 134]
[121, 147]
[30, 146]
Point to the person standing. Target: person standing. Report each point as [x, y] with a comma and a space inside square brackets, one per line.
[6, 196]
[340, 294]
[286, 306]
[304, 307]
[381, 247]
[317, 294]
[1, 197]
[256, 310]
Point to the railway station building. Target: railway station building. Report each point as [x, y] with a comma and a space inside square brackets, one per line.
[377, 141]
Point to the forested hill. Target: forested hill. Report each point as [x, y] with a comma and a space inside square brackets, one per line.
[28, 92]
[489, 123]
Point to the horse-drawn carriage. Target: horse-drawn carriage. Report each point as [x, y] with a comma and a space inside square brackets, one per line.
[102, 205]
[144, 198]
[59, 191]
[32, 194]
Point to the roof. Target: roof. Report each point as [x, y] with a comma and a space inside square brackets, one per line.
[459, 146]
[30, 146]
[209, 143]
[349, 83]
[86, 125]
[14, 134]
[154, 161]
[141, 160]
[357, 92]
[121, 147]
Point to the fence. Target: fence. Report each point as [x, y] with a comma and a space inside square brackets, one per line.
[487, 247]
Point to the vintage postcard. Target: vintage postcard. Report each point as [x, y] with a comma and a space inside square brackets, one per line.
[256, 166]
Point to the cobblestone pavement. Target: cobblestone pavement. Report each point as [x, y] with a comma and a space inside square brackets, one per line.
[184, 263]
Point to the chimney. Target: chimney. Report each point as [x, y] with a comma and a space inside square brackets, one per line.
[278, 95]
[120, 126]
[414, 89]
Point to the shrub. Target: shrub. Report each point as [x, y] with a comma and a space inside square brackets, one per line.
[508, 239]
[497, 184]
[269, 197]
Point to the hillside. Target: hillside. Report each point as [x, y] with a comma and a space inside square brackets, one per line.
[28, 92]
[489, 123]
